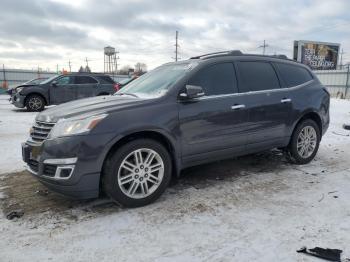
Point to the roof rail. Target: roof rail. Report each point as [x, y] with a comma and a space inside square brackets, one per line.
[280, 56]
[229, 52]
[237, 53]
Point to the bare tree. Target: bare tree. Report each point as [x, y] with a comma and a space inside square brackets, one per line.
[125, 70]
[140, 68]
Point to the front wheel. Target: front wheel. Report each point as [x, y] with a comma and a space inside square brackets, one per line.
[305, 142]
[137, 173]
[35, 103]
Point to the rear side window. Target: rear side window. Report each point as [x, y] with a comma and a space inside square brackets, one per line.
[105, 80]
[65, 80]
[257, 76]
[293, 75]
[216, 79]
[85, 80]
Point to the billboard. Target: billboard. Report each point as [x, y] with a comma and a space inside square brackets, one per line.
[317, 55]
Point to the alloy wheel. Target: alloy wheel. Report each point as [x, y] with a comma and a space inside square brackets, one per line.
[35, 103]
[140, 173]
[307, 141]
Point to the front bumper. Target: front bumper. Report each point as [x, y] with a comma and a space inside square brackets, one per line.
[70, 166]
[17, 99]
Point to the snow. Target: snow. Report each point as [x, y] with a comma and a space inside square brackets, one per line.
[253, 211]
[14, 129]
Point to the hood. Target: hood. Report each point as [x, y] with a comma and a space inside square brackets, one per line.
[88, 107]
[22, 85]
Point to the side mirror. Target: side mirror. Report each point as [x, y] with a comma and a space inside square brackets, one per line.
[54, 83]
[191, 92]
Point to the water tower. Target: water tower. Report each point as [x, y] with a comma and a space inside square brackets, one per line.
[110, 60]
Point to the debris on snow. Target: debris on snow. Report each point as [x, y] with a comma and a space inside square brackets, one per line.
[42, 192]
[346, 126]
[15, 214]
[325, 253]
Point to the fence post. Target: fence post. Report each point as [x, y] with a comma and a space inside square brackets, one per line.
[347, 81]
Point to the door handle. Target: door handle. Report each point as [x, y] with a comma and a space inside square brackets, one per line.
[286, 100]
[235, 107]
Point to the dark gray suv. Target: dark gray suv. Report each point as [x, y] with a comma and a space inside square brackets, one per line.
[60, 89]
[178, 115]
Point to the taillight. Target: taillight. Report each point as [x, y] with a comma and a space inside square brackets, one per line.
[116, 87]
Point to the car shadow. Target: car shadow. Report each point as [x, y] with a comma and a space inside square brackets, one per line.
[24, 192]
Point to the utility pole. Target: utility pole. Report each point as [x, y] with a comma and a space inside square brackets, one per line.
[341, 58]
[87, 61]
[4, 85]
[57, 68]
[70, 66]
[116, 61]
[264, 47]
[176, 46]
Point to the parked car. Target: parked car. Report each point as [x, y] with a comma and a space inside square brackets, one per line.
[124, 82]
[35, 81]
[181, 114]
[61, 89]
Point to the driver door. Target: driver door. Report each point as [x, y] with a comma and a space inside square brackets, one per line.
[213, 126]
[63, 90]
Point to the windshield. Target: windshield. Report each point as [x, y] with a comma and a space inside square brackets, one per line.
[156, 82]
[49, 79]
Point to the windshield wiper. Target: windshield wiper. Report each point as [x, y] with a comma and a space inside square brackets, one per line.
[127, 94]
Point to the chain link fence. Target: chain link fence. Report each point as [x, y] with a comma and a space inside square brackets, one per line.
[336, 81]
[13, 77]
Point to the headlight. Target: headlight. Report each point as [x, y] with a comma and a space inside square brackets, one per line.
[67, 127]
[19, 89]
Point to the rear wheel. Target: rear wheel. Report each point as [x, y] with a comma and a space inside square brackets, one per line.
[35, 103]
[305, 142]
[137, 173]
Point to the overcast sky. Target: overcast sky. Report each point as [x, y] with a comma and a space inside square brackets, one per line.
[46, 33]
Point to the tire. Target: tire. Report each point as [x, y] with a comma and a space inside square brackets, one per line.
[304, 143]
[35, 103]
[127, 182]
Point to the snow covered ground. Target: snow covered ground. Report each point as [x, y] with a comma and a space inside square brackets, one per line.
[254, 208]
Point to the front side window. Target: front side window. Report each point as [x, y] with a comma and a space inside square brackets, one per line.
[256, 76]
[218, 79]
[157, 82]
[85, 80]
[293, 75]
[65, 80]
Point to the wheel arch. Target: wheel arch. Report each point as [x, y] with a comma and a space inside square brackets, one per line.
[35, 93]
[309, 115]
[156, 135]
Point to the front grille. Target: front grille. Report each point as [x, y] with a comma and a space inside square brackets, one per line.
[41, 130]
[49, 170]
[34, 165]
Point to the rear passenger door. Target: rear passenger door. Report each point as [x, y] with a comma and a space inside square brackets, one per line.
[63, 91]
[213, 125]
[86, 86]
[268, 104]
